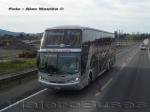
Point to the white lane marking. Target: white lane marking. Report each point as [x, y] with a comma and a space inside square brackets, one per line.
[128, 59]
[126, 50]
[97, 94]
[107, 83]
[123, 65]
[16, 103]
[122, 52]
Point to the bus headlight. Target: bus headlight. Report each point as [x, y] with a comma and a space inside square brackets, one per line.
[76, 79]
[40, 77]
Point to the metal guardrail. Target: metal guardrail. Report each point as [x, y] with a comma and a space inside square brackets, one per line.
[18, 77]
[7, 76]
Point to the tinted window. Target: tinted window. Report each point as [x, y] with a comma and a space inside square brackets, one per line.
[62, 38]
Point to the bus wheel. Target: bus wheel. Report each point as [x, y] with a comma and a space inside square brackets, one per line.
[108, 66]
[90, 78]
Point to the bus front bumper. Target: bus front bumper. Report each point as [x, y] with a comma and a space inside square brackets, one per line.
[64, 86]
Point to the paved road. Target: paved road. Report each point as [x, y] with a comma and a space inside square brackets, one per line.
[130, 90]
[126, 85]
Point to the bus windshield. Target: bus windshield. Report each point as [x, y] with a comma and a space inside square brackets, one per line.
[59, 63]
[62, 38]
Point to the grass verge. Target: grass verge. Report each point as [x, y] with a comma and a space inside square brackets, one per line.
[13, 66]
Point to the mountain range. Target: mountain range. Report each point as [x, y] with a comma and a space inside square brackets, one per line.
[5, 32]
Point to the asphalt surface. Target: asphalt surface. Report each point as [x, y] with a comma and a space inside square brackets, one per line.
[125, 88]
[130, 90]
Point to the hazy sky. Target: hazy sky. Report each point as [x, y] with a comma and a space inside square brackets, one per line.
[109, 15]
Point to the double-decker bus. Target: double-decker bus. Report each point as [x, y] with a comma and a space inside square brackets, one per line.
[71, 57]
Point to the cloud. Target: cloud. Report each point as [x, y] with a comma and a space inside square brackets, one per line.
[102, 14]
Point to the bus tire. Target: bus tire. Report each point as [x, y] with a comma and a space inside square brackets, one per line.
[90, 78]
[108, 66]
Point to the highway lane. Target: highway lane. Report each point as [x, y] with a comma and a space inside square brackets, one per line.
[130, 91]
[76, 101]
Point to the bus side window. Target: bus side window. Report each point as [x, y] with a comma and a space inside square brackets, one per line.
[93, 61]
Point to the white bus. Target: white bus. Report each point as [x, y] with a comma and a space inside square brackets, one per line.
[70, 57]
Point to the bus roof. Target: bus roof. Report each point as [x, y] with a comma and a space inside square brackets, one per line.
[76, 27]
